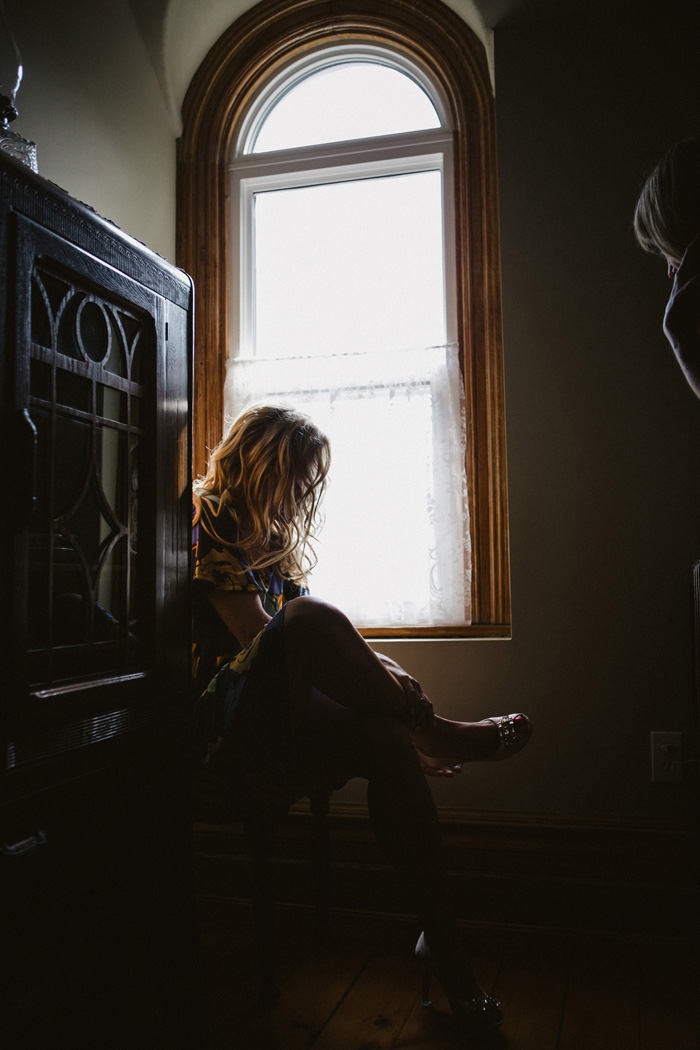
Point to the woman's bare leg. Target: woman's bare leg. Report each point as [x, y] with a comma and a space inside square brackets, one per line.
[363, 732]
[405, 823]
[402, 813]
[323, 650]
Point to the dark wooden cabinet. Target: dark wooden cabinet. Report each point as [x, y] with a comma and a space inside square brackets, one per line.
[95, 378]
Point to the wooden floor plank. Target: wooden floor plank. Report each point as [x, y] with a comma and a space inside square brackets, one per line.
[229, 975]
[309, 998]
[375, 1009]
[359, 989]
[601, 1004]
[530, 987]
[669, 1008]
[311, 995]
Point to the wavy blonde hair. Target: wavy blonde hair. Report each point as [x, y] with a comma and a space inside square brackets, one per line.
[270, 473]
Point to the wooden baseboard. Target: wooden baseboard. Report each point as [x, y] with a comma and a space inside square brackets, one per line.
[506, 869]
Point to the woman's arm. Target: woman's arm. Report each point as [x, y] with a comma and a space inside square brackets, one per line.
[409, 685]
[241, 612]
[432, 767]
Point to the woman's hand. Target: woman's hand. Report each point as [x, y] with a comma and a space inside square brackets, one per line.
[419, 709]
[416, 698]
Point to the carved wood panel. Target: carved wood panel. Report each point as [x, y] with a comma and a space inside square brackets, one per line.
[88, 398]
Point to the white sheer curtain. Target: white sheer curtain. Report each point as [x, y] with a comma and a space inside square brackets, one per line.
[395, 548]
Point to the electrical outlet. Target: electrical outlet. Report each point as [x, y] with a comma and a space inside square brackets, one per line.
[667, 757]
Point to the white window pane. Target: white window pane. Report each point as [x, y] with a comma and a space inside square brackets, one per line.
[374, 550]
[350, 266]
[347, 101]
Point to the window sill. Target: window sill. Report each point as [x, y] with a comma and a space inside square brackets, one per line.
[495, 631]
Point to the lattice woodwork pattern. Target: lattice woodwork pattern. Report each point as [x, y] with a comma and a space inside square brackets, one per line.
[87, 401]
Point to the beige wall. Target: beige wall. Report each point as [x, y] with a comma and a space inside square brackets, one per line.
[603, 435]
[91, 102]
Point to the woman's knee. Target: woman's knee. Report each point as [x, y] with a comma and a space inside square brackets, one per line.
[314, 615]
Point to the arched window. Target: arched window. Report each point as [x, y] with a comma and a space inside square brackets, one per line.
[337, 211]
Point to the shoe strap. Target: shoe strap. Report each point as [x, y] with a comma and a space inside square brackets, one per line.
[483, 1003]
[506, 731]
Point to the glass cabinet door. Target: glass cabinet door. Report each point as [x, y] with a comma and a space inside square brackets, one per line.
[86, 388]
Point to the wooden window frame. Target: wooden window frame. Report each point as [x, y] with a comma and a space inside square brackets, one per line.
[247, 56]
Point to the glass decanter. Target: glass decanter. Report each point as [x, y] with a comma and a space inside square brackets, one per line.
[11, 72]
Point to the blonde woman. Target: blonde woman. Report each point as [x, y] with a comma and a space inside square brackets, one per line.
[300, 700]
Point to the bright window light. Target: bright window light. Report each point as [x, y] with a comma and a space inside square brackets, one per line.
[350, 267]
[351, 100]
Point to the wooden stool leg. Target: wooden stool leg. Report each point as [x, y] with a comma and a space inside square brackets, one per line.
[321, 856]
[263, 900]
[263, 893]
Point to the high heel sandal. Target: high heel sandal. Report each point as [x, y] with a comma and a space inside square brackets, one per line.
[514, 732]
[471, 1014]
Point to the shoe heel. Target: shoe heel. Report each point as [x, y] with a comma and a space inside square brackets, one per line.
[425, 989]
